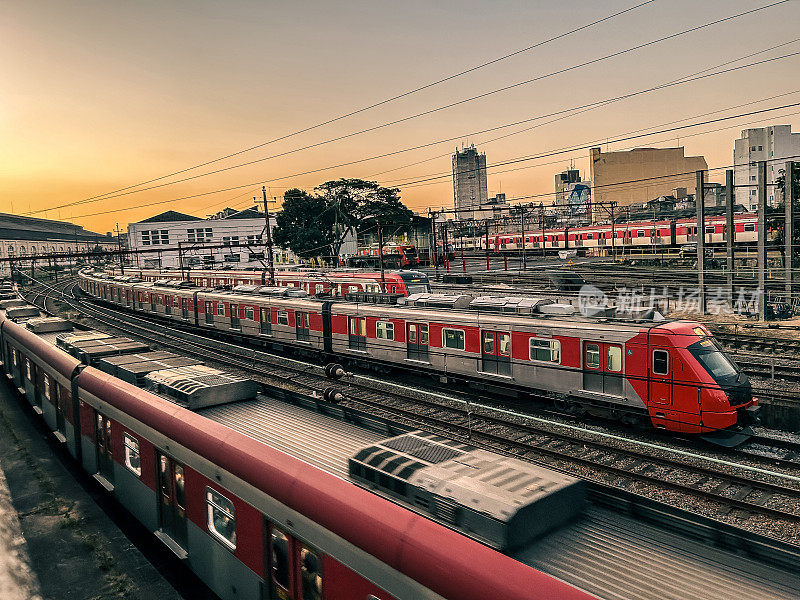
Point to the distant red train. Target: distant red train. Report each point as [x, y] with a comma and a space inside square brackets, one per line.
[631, 234]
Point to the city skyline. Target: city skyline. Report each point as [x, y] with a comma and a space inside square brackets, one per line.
[97, 100]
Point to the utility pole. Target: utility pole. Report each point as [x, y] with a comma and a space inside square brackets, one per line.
[434, 247]
[487, 244]
[788, 230]
[380, 256]
[522, 224]
[269, 237]
[180, 260]
[700, 201]
[541, 223]
[730, 232]
[762, 238]
[613, 232]
[119, 247]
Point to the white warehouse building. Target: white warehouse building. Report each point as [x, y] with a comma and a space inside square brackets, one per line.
[25, 239]
[177, 238]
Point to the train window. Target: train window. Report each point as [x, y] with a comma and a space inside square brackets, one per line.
[221, 309]
[132, 460]
[283, 317]
[280, 558]
[310, 574]
[453, 338]
[592, 359]
[249, 313]
[614, 359]
[660, 362]
[709, 229]
[749, 226]
[358, 326]
[504, 344]
[545, 350]
[221, 518]
[46, 386]
[384, 330]
[28, 369]
[640, 233]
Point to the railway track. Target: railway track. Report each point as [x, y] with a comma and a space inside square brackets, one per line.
[732, 488]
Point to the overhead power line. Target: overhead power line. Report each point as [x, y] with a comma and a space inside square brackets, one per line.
[387, 100]
[423, 113]
[507, 162]
[682, 81]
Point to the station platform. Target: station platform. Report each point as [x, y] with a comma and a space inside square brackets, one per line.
[17, 579]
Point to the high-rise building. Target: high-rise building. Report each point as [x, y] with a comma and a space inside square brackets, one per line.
[639, 175]
[470, 189]
[563, 181]
[775, 144]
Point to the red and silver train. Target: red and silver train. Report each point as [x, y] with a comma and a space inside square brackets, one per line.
[253, 522]
[333, 283]
[638, 234]
[670, 374]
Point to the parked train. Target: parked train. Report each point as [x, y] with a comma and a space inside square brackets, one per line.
[253, 522]
[333, 283]
[395, 256]
[671, 375]
[637, 234]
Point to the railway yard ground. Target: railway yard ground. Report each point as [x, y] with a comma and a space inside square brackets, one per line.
[61, 537]
[751, 494]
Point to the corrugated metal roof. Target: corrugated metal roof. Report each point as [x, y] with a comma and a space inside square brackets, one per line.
[321, 441]
[620, 558]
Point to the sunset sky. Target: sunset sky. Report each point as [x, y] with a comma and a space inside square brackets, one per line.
[97, 96]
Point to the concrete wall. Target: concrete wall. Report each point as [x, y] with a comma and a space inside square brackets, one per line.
[611, 168]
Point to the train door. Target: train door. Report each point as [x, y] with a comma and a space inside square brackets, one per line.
[294, 568]
[496, 352]
[171, 498]
[602, 368]
[660, 376]
[417, 341]
[235, 316]
[102, 439]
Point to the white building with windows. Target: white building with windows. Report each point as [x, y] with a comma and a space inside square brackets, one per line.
[23, 239]
[230, 239]
[776, 144]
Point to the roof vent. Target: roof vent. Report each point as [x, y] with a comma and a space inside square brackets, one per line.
[504, 502]
[200, 386]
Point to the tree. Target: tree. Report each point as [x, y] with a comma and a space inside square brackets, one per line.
[317, 224]
[304, 225]
[359, 205]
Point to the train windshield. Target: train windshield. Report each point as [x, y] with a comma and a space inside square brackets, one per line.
[416, 282]
[710, 355]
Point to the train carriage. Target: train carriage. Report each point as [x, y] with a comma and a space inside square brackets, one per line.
[253, 522]
[613, 367]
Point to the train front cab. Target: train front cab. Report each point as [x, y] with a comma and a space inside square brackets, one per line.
[692, 385]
